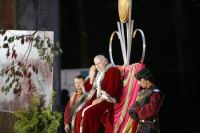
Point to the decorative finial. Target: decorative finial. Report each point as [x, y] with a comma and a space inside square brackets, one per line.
[126, 33]
[123, 9]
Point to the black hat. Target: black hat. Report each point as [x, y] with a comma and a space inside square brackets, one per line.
[145, 74]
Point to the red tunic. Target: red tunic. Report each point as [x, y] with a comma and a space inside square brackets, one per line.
[149, 110]
[67, 115]
[146, 109]
[73, 100]
[103, 112]
[78, 118]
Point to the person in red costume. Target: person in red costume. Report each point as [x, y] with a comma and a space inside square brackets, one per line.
[75, 100]
[91, 91]
[148, 102]
[107, 85]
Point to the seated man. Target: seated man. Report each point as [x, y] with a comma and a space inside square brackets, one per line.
[75, 100]
[107, 85]
[148, 103]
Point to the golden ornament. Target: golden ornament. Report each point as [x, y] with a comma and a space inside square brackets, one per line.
[123, 9]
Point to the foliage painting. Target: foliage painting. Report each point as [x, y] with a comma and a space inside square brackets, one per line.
[26, 65]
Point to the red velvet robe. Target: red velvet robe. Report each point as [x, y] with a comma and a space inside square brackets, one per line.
[103, 112]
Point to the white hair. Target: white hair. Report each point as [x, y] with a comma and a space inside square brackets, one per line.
[101, 58]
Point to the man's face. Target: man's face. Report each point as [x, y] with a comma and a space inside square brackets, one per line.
[78, 83]
[100, 65]
[143, 83]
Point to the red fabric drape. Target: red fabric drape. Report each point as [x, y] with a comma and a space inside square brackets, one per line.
[128, 96]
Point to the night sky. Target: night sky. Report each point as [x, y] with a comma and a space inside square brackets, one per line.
[171, 29]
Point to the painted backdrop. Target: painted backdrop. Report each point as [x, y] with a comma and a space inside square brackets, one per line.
[39, 77]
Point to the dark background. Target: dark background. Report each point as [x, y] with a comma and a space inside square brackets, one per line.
[171, 29]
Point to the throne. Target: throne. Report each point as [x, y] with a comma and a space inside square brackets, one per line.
[122, 121]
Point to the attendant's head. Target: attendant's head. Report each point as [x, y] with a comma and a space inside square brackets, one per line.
[79, 82]
[100, 62]
[92, 71]
[145, 78]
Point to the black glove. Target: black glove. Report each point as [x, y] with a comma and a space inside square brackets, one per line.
[133, 114]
